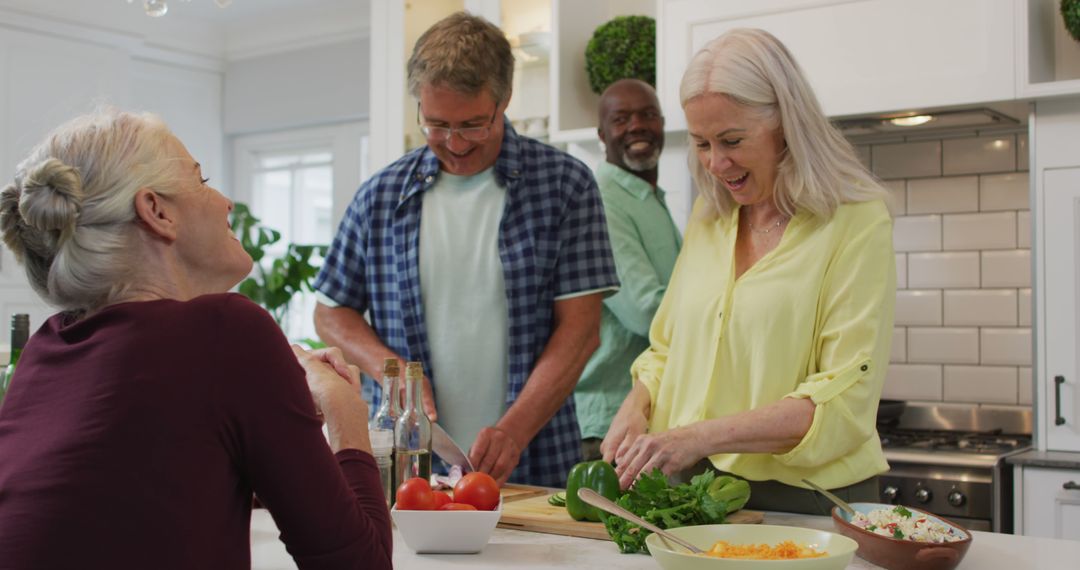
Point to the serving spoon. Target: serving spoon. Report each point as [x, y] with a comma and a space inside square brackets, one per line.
[603, 503]
[836, 500]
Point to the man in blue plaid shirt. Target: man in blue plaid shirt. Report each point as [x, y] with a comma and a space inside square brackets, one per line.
[484, 255]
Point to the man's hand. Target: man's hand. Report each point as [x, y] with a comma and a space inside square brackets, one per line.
[495, 453]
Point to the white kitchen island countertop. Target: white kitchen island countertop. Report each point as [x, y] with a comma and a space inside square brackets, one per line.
[520, 549]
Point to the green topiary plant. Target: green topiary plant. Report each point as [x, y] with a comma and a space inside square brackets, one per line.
[1070, 12]
[624, 47]
[273, 287]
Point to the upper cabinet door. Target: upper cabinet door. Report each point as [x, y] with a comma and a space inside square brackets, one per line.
[1061, 232]
[861, 56]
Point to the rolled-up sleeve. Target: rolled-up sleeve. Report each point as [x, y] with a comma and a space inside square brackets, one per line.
[852, 347]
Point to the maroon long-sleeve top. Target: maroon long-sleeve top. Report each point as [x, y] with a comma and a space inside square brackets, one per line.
[134, 438]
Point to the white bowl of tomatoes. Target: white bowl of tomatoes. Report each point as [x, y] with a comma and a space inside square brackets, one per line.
[434, 522]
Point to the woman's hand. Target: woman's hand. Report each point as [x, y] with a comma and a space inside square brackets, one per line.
[334, 358]
[328, 376]
[629, 423]
[335, 388]
[670, 451]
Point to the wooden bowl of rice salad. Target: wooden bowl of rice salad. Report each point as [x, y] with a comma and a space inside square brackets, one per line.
[900, 538]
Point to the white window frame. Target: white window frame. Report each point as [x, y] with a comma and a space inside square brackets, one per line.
[347, 140]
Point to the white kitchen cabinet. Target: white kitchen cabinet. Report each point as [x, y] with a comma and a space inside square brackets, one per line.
[1056, 218]
[1048, 59]
[1051, 502]
[1061, 228]
[863, 56]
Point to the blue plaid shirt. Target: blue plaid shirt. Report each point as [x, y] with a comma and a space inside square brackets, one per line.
[553, 242]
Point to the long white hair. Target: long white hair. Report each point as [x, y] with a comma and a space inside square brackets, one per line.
[69, 214]
[819, 170]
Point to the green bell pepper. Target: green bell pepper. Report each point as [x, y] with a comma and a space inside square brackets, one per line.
[734, 492]
[596, 475]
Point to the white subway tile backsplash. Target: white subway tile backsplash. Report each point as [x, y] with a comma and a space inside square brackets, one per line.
[917, 233]
[918, 308]
[1006, 346]
[962, 235]
[1024, 307]
[974, 307]
[913, 382]
[898, 195]
[899, 345]
[1003, 192]
[1005, 268]
[1023, 229]
[978, 155]
[907, 160]
[946, 270]
[1022, 152]
[862, 151]
[982, 384]
[943, 345]
[996, 230]
[1025, 390]
[941, 195]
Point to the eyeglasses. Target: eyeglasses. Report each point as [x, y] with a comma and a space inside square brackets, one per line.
[471, 134]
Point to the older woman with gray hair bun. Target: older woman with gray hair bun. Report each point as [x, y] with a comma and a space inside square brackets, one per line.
[145, 414]
[769, 350]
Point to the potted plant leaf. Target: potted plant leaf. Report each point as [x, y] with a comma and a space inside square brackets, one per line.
[273, 284]
[624, 47]
[1070, 12]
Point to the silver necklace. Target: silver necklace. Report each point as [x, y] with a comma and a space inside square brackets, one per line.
[768, 229]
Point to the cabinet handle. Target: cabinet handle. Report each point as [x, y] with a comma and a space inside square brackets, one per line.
[1071, 486]
[1058, 419]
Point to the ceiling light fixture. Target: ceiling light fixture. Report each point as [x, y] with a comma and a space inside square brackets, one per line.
[158, 8]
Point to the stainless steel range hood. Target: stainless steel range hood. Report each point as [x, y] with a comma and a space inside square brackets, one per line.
[921, 122]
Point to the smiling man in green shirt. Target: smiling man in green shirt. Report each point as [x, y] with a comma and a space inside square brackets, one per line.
[645, 242]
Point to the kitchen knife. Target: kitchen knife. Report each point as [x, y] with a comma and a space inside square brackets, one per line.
[444, 446]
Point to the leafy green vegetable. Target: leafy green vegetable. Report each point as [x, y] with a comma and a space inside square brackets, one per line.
[652, 499]
[897, 533]
[900, 510]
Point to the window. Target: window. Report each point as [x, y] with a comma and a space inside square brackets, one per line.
[299, 183]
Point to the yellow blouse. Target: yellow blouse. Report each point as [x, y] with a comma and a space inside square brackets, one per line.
[811, 319]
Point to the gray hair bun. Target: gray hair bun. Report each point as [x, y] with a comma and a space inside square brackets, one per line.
[48, 201]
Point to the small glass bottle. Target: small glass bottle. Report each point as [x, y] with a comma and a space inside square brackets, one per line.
[381, 428]
[20, 331]
[412, 433]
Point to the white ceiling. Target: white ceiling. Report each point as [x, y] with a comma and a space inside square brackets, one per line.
[243, 28]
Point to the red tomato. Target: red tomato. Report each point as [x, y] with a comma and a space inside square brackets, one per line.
[457, 507]
[441, 499]
[415, 495]
[479, 490]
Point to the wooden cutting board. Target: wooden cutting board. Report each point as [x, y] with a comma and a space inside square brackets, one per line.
[533, 513]
[514, 492]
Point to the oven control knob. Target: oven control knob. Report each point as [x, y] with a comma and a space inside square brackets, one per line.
[923, 495]
[956, 498]
[890, 492]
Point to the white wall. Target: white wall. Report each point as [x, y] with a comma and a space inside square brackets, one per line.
[49, 78]
[313, 86]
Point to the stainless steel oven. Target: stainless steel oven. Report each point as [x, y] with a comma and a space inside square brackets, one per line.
[948, 459]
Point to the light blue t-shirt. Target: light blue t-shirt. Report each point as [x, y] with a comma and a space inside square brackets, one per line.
[464, 300]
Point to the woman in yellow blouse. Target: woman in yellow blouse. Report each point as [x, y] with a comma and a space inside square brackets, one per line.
[769, 350]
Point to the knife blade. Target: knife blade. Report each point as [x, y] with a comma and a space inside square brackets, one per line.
[444, 446]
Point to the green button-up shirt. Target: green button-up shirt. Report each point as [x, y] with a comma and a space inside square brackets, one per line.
[645, 242]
